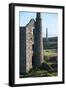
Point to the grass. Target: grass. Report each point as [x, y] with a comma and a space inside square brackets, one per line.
[40, 73]
[50, 52]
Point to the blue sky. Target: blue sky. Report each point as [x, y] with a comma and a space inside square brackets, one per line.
[49, 20]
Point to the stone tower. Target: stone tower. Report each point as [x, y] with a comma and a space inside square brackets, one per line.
[46, 36]
[38, 42]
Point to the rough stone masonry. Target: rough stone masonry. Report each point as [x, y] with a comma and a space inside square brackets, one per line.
[31, 45]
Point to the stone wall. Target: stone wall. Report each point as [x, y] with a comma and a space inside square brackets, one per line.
[29, 43]
[26, 52]
[22, 50]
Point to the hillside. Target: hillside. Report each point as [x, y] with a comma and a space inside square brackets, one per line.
[52, 43]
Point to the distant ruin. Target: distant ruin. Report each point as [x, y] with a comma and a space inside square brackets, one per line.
[31, 45]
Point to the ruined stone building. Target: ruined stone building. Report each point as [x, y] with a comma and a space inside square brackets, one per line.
[31, 45]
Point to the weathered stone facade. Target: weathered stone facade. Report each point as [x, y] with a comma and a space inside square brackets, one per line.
[31, 45]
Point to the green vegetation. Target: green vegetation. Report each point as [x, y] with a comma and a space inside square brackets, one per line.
[50, 52]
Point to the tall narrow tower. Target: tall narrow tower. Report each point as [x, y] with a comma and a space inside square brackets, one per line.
[47, 36]
[38, 42]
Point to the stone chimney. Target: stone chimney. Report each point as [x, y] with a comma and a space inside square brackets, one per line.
[38, 42]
